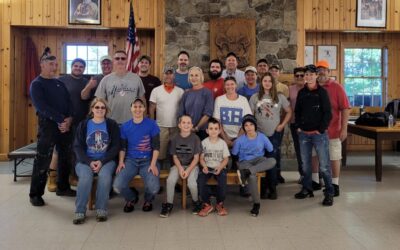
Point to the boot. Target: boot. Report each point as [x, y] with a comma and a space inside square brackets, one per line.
[52, 180]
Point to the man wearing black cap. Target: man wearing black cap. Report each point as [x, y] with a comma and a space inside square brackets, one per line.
[231, 64]
[313, 114]
[149, 81]
[54, 109]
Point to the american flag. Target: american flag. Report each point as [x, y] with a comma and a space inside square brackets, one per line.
[132, 43]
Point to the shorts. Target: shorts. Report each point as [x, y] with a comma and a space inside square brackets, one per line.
[166, 134]
[335, 150]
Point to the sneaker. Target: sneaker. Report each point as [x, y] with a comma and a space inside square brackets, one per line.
[147, 207]
[67, 192]
[336, 190]
[166, 209]
[196, 207]
[79, 218]
[304, 193]
[101, 215]
[129, 207]
[207, 208]
[244, 192]
[272, 195]
[316, 186]
[243, 175]
[221, 210]
[328, 201]
[37, 201]
[255, 210]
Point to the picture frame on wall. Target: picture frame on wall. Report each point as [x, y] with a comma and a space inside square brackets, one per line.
[84, 12]
[371, 13]
[329, 54]
[308, 54]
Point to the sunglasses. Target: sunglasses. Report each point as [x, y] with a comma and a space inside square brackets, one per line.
[120, 58]
[299, 76]
[99, 107]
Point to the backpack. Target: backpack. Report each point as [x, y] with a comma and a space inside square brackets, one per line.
[378, 119]
[393, 108]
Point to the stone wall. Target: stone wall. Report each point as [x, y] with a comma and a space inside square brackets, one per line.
[187, 28]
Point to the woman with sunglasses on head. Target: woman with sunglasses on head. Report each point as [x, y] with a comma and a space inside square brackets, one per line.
[96, 145]
[293, 92]
[267, 105]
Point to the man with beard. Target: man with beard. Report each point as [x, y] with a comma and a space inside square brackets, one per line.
[216, 82]
[182, 72]
[262, 68]
[337, 130]
[149, 81]
[90, 89]
[231, 63]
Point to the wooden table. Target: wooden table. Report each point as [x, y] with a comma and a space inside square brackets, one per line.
[378, 134]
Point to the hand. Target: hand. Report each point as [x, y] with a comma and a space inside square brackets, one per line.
[92, 83]
[121, 165]
[153, 169]
[205, 170]
[279, 128]
[218, 171]
[97, 166]
[184, 174]
[181, 172]
[343, 134]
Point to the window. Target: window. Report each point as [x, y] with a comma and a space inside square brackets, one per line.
[90, 53]
[364, 76]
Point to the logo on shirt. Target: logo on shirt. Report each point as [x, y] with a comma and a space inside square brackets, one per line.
[145, 144]
[231, 116]
[98, 141]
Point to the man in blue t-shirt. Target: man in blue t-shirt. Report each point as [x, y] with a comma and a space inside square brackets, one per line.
[182, 72]
[140, 147]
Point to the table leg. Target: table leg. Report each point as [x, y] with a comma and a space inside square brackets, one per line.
[378, 159]
[344, 153]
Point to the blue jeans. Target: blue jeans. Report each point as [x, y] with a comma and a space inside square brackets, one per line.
[132, 168]
[85, 175]
[272, 174]
[296, 144]
[321, 144]
[204, 189]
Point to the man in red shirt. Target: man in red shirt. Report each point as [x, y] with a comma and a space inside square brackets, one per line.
[337, 129]
[216, 82]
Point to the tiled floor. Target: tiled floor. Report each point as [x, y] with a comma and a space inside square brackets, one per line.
[365, 216]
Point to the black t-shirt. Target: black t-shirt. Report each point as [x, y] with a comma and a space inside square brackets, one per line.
[149, 83]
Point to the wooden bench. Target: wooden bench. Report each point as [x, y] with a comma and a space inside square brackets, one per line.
[231, 179]
[21, 156]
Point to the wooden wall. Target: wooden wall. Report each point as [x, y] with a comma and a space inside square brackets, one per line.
[46, 22]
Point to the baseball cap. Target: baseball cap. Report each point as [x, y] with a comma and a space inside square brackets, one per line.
[168, 68]
[276, 66]
[323, 64]
[106, 57]
[310, 68]
[250, 68]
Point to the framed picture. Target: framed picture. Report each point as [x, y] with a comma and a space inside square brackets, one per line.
[308, 55]
[371, 13]
[84, 11]
[328, 53]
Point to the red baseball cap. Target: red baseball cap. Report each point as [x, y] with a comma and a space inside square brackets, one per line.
[323, 64]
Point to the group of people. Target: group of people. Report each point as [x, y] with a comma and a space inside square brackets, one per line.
[138, 124]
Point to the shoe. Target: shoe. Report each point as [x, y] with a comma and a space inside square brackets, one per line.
[336, 190]
[304, 193]
[207, 208]
[281, 179]
[52, 180]
[272, 195]
[129, 207]
[166, 209]
[37, 201]
[328, 201]
[244, 192]
[79, 218]
[67, 192]
[196, 207]
[221, 210]
[255, 210]
[316, 186]
[243, 175]
[101, 215]
[147, 207]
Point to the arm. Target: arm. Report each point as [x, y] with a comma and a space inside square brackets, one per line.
[326, 109]
[345, 119]
[121, 163]
[178, 164]
[208, 109]
[80, 146]
[115, 145]
[85, 93]
[155, 145]
[222, 165]
[201, 123]
[203, 164]
[193, 164]
[286, 119]
[152, 110]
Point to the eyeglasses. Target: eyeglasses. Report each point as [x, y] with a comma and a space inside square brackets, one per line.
[298, 76]
[99, 107]
[120, 58]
